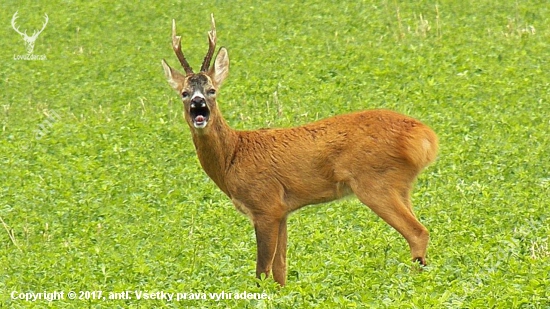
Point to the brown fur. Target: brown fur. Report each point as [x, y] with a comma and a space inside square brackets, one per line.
[268, 174]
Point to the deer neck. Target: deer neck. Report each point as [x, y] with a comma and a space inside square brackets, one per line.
[215, 148]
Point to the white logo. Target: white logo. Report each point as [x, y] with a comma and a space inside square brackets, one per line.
[29, 40]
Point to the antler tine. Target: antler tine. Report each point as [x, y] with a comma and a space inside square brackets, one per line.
[45, 23]
[211, 46]
[176, 45]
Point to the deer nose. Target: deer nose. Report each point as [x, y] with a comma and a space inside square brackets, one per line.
[198, 100]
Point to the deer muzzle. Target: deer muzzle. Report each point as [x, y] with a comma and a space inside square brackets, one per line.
[199, 112]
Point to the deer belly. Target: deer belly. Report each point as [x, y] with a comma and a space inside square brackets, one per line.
[315, 194]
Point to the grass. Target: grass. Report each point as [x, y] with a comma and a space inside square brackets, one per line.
[101, 189]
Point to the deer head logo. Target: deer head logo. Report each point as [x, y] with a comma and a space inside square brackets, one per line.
[29, 40]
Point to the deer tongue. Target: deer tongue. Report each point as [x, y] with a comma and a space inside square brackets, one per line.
[199, 119]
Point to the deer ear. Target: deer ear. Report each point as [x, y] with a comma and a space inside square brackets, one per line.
[220, 69]
[174, 77]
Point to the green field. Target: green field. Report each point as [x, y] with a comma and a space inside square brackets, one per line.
[101, 189]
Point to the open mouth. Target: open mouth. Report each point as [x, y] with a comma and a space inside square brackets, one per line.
[200, 113]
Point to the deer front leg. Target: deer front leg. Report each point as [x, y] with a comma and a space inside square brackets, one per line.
[267, 234]
[279, 262]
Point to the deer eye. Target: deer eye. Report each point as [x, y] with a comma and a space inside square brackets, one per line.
[185, 95]
[211, 92]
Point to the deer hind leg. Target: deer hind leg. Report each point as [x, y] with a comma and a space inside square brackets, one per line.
[393, 205]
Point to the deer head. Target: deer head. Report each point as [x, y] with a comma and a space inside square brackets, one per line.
[198, 90]
[29, 40]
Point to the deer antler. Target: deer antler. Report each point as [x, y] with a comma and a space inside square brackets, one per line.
[15, 27]
[176, 45]
[34, 34]
[211, 46]
[43, 27]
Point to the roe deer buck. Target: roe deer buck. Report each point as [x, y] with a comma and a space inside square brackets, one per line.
[270, 173]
